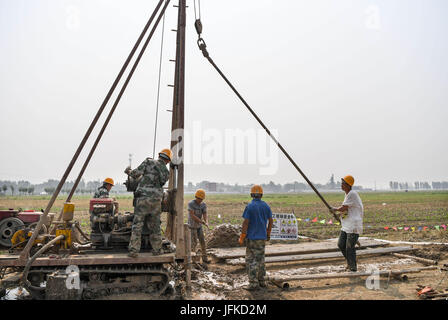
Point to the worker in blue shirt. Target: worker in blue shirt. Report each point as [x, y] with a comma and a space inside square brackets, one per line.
[256, 231]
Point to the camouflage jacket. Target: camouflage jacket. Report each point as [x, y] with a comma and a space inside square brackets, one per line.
[155, 175]
[101, 193]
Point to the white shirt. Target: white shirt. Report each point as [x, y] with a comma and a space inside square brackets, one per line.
[352, 223]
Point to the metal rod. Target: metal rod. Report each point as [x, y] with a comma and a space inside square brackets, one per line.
[346, 275]
[25, 252]
[187, 263]
[268, 132]
[426, 261]
[117, 100]
[123, 89]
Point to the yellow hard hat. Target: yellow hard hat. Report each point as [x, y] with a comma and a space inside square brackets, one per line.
[167, 153]
[256, 189]
[109, 181]
[349, 180]
[200, 193]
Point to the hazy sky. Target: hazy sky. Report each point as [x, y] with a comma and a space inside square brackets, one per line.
[350, 86]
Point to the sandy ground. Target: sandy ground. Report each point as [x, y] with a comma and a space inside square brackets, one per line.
[226, 282]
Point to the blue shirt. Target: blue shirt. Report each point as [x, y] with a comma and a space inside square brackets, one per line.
[258, 213]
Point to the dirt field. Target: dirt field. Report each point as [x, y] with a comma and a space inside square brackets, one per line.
[223, 281]
[381, 209]
[226, 282]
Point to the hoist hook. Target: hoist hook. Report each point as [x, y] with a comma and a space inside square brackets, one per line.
[203, 47]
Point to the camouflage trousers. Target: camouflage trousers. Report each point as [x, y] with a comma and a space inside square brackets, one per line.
[146, 210]
[198, 234]
[255, 262]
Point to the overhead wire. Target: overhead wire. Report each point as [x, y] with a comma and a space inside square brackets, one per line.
[197, 13]
[158, 88]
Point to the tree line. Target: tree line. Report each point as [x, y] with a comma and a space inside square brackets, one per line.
[419, 185]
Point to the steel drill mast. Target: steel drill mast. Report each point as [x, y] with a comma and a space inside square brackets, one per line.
[175, 230]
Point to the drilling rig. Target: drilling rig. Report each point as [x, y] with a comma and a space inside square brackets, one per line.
[73, 265]
[66, 263]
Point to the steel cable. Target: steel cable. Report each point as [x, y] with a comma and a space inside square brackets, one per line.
[158, 89]
[203, 47]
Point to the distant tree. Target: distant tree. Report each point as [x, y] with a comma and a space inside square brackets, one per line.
[332, 184]
[4, 188]
[426, 185]
[49, 190]
[30, 190]
[12, 189]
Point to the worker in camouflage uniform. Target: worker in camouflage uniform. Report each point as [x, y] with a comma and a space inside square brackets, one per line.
[148, 207]
[256, 230]
[197, 210]
[103, 191]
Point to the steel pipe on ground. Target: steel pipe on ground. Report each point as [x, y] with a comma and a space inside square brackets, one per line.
[346, 275]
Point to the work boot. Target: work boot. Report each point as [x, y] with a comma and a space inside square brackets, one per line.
[132, 254]
[262, 284]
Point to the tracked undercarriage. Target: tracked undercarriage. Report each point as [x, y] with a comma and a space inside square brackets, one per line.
[99, 281]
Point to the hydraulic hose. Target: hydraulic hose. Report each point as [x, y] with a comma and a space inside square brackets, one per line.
[24, 279]
[82, 232]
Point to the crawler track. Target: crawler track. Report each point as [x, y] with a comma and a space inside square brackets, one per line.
[102, 280]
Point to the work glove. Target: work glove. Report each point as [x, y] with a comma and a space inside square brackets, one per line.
[128, 170]
[335, 214]
[242, 237]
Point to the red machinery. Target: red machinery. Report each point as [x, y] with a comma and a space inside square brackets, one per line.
[12, 220]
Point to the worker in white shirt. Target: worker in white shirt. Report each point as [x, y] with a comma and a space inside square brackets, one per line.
[351, 214]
